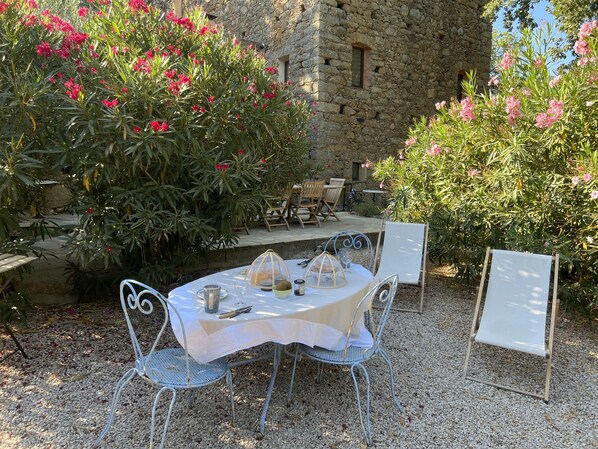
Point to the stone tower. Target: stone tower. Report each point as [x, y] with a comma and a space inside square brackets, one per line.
[372, 66]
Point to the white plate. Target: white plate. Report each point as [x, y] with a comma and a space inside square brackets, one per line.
[223, 294]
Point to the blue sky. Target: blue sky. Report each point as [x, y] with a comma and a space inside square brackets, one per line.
[540, 15]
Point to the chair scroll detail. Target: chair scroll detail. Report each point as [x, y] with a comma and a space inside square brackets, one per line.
[354, 357]
[514, 312]
[352, 240]
[404, 252]
[169, 369]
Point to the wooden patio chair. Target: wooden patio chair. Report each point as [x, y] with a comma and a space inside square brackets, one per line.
[307, 202]
[275, 211]
[330, 198]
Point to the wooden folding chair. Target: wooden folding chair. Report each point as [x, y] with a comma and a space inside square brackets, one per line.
[9, 264]
[515, 308]
[330, 198]
[308, 202]
[275, 212]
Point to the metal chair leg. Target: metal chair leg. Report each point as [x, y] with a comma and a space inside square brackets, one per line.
[229, 382]
[366, 427]
[153, 424]
[123, 381]
[293, 375]
[392, 381]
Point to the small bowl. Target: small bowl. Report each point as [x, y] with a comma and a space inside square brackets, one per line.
[282, 294]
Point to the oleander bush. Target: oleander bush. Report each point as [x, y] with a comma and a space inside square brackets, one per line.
[514, 167]
[171, 132]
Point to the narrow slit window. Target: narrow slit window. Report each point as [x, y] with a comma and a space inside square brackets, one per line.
[283, 69]
[357, 67]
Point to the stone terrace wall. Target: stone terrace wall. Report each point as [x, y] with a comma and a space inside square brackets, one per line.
[415, 50]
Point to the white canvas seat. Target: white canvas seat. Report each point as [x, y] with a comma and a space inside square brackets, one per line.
[404, 252]
[515, 307]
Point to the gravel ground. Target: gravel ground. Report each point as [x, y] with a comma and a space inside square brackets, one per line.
[61, 396]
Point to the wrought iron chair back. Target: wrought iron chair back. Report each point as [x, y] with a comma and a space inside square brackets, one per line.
[167, 368]
[352, 240]
[354, 357]
[137, 296]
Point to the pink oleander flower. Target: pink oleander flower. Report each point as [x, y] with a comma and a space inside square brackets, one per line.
[587, 177]
[411, 141]
[110, 103]
[138, 5]
[594, 195]
[241, 151]
[82, 12]
[467, 106]
[434, 151]
[575, 180]
[553, 114]
[473, 172]
[157, 126]
[526, 92]
[585, 61]
[493, 81]
[581, 47]
[512, 109]
[587, 28]
[271, 70]
[44, 49]
[211, 99]
[72, 89]
[555, 81]
[506, 61]
[136, 129]
[538, 63]
[440, 105]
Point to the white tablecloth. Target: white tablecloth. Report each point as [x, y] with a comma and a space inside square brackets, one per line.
[319, 318]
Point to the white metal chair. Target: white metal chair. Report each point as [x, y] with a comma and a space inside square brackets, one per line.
[515, 308]
[404, 252]
[352, 240]
[169, 369]
[354, 357]
[330, 198]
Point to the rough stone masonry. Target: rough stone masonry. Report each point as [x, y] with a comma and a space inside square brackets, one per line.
[372, 66]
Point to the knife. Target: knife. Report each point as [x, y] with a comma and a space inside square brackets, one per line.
[234, 313]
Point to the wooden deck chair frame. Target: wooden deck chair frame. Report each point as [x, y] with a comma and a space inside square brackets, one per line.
[548, 352]
[386, 266]
[309, 201]
[275, 212]
[9, 266]
[330, 198]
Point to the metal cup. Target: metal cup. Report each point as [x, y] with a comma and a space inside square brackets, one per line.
[211, 298]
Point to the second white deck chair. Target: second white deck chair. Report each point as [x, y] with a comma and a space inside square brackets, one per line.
[404, 252]
[515, 308]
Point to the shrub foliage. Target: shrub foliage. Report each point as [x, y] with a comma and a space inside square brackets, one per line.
[171, 132]
[515, 167]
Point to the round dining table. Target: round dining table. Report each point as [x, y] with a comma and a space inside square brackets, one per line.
[321, 317]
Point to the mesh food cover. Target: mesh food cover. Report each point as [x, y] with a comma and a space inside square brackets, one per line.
[267, 270]
[325, 271]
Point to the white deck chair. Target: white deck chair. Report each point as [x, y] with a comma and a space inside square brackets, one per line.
[404, 252]
[514, 312]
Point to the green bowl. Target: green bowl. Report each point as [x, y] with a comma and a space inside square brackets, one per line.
[281, 294]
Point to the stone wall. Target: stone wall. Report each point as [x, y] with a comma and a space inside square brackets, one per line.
[414, 53]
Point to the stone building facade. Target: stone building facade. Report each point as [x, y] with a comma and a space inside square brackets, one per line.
[372, 66]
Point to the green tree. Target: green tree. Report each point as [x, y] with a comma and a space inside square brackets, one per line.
[569, 14]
